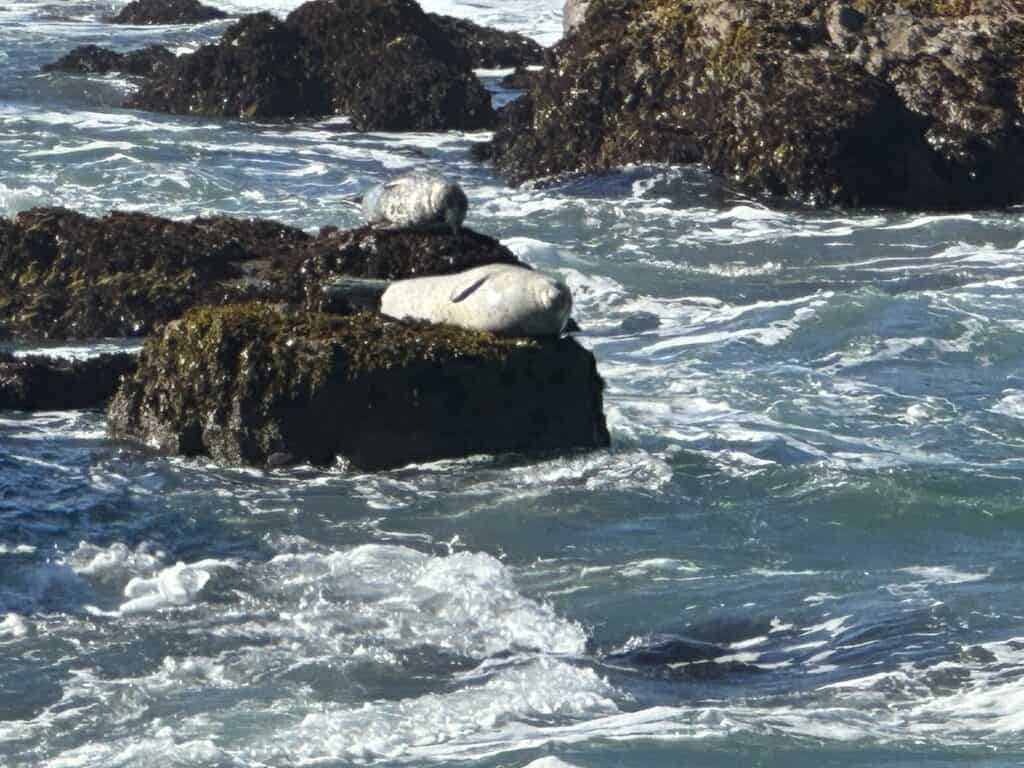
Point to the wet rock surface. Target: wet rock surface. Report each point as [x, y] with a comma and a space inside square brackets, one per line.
[486, 47]
[385, 63]
[257, 384]
[255, 71]
[142, 12]
[389, 255]
[42, 383]
[66, 275]
[906, 103]
[94, 60]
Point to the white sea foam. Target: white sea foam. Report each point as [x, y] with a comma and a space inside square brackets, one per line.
[466, 602]
[14, 627]
[542, 689]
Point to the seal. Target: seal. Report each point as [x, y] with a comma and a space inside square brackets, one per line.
[421, 199]
[500, 298]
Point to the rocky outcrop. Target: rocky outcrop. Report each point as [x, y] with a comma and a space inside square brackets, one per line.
[573, 14]
[140, 12]
[384, 63]
[486, 47]
[255, 384]
[67, 275]
[255, 71]
[907, 103]
[40, 383]
[94, 60]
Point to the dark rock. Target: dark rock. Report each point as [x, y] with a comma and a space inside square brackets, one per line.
[384, 63]
[94, 60]
[522, 79]
[166, 12]
[40, 383]
[390, 66]
[255, 71]
[67, 275]
[389, 254]
[486, 47]
[907, 103]
[244, 383]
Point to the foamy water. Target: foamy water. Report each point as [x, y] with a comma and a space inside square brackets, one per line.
[802, 549]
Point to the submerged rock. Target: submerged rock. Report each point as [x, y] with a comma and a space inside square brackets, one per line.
[167, 12]
[384, 63]
[94, 60]
[908, 103]
[250, 384]
[41, 383]
[67, 275]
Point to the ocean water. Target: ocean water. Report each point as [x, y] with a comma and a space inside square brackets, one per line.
[804, 547]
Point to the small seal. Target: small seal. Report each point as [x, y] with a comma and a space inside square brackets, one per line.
[421, 199]
[500, 298]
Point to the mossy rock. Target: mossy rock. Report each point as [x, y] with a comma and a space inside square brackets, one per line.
[921, 106]
[251, 383]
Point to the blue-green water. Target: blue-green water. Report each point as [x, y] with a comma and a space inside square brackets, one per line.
[803, 548]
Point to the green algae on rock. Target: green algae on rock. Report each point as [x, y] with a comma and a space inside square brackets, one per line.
[905, 103]
[247, 383]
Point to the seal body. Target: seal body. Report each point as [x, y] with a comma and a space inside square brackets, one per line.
[417, 200]
[500, 298]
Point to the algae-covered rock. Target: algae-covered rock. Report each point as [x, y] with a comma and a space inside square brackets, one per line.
[486, 47]
[390, 66]
[250, 383]
[908, 103]
[67, 275]
[256, 71]
[390, 254]
[166, 12]
[384, 63]
[94, 60]
[42, 383]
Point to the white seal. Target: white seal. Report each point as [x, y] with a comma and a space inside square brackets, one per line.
[420, 199]
[500, 298]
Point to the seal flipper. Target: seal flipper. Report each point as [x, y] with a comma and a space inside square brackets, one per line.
[571, 326]
[460, 293]
[347, 295]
